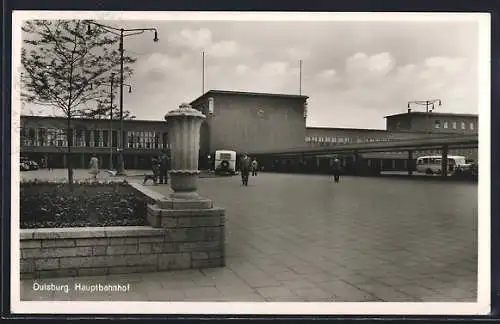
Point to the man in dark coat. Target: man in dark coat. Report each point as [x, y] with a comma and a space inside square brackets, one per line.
[336, 169]
[245, 165]
[164, 167]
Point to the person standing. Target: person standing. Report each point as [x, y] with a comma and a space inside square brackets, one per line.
[245, 165]
[155, 167]
[49, 163]
[336, 170]
[164, 167]
[255, 166]
[94, 166]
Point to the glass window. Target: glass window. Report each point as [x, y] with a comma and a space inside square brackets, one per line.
[114, 139]
[471, 126]
[130, 139]
[41, 137]
[437, 124]
[463, 125]
[97, 138]
[454, 125]
[445, 124]
[157, 140]
[105, 138]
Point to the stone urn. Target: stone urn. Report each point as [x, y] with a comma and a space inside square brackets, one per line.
[183, 126]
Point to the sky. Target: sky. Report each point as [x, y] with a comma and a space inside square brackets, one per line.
[354, 72]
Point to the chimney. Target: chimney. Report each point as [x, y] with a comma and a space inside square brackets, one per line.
[409, 110]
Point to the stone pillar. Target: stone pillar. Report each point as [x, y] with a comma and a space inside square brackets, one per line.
[184, 136]
[444, 161]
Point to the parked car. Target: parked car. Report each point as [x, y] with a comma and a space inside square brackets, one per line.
[32, 165]
[24, 167]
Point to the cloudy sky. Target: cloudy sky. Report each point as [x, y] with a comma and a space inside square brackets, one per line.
[355, 72]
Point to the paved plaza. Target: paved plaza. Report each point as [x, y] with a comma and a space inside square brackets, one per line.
[306, 238]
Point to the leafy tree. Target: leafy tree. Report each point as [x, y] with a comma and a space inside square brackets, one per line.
[60, 63]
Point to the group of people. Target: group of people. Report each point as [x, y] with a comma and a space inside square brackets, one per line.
[247, 165]
[160, 167]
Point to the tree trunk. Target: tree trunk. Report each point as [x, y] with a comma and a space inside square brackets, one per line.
[69, 164]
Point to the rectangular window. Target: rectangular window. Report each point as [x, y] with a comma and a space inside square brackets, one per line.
[42, 136]
[445, 124]
[463, 125]
[437, 124]
[165, 140]
[157, 140]
[471, 126]
[97, 138]
[454, 125]
[105, 138]
[130, 139]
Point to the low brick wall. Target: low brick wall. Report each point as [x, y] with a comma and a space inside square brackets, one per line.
[177, 239]
[86, 251]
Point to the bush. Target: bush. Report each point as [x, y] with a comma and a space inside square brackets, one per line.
[49, 204]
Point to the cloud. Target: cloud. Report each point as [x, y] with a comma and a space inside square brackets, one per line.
[376, 82]
[241, 69]
[363, 68]
[202, 40]
[223, 49]
[328, 76]
[297, 53]
[195, 39]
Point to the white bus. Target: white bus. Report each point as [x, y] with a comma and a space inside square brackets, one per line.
[432, 164]
[225, 162]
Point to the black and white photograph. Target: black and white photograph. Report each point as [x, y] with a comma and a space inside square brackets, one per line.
[250, 163]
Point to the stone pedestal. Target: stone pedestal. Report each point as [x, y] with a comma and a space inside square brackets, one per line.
[195, 228]
[184, 137]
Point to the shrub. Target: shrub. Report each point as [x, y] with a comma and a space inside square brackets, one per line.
[49, 204]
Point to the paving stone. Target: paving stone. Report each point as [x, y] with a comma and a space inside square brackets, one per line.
[202, 292]
[278, 291]
[272, 238]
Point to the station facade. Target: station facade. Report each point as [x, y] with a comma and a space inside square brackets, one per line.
[239, 121]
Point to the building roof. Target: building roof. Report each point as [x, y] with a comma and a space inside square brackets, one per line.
[242, 93]
[91, 119]
[421, 113]
[347, 129]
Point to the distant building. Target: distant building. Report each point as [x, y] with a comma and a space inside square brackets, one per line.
[432, 122]
[45, 137]
[249, 121]
[239, 121]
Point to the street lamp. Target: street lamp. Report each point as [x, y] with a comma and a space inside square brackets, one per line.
[122, 32]
[428, 104]
[111, 84]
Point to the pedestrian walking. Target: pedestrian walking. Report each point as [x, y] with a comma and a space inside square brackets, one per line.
[94, 166]
[335, 170]
[155, 167]
[164, 167]
[255, 167]
[49, 163]
[43, 163]
[245, 165]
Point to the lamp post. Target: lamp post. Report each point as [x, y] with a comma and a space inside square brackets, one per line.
[122, 32]
[111, 83]
[428, 110]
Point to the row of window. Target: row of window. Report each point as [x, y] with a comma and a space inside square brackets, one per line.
[92, 138]
[453, 125]
[342, 140]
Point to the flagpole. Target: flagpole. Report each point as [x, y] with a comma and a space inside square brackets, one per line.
[300, 77]
[203, 73]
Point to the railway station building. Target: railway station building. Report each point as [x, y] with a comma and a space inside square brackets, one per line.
[240, 121]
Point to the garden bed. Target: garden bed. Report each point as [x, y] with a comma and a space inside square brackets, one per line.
[54, 205]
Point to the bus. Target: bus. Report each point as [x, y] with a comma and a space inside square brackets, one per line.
[432, 164]
[225, 162]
